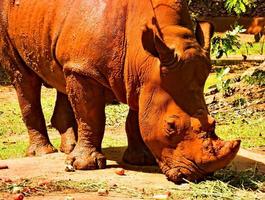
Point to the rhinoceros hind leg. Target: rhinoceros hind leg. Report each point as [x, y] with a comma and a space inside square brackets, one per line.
[88, 102]
[137, 152]
[63, 120]
[28, 88]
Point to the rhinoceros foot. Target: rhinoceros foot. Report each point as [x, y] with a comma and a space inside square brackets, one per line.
[138, 156]
[68, 141]
[83, 158]
[40, 149]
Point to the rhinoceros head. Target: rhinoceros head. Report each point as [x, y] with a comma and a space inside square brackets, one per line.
[174, 120]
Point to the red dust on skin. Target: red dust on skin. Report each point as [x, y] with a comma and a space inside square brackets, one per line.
[142, 53]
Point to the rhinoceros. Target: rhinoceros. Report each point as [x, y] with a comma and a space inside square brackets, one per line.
[141, 53]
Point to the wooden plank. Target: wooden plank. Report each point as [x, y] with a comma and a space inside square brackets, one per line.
[246, 159]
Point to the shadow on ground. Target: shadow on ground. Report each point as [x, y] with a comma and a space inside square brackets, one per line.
[116, 153]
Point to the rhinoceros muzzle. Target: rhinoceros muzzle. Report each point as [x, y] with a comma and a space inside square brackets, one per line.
[212, 154]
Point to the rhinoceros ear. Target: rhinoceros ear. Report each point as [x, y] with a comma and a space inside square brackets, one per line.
[167, 55]
[148, 37]
[204, 32]
[156, 46]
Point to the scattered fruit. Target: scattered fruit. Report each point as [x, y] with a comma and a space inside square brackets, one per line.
[120, 171]
[168, 193]
[26, 190]
[18, 197]
[6, 180]
[103, 192]
[43, 182]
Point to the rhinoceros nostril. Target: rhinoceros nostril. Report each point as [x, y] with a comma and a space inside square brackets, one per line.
[171, 125]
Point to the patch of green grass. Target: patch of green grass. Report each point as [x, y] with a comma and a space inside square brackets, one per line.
[113, 141]
[84, 186]
[211, 80]
[226, 184]
[10, 119]
[251, 131]
[246, 49]
[48, 97]
[15, 150]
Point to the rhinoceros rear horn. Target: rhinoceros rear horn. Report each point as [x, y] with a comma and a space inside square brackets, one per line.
[156, 46]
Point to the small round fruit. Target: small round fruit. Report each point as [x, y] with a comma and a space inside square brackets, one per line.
[120, 171]
[19, 197]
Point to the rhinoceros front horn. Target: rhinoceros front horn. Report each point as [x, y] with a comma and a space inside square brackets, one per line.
[156, 46]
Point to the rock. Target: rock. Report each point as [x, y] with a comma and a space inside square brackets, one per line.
[184, 186]
[17, 189]
[160, 196]
[113, 185]
[210, 99]
[69, 168]
[69, 198]
[103, 192]
[212, 90]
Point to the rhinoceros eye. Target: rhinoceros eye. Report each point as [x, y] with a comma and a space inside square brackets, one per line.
[174, 125]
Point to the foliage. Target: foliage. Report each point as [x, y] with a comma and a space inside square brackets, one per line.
[228, 43]
[258, 78]
[238, 6]
[239, 102]
[223, 85]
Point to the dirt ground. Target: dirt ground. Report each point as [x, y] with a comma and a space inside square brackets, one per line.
[52, 168]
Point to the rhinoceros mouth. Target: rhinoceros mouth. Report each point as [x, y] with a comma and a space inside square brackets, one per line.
[182, 169]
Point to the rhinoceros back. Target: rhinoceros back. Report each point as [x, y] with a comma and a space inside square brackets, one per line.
[89, 35]
[33, 28]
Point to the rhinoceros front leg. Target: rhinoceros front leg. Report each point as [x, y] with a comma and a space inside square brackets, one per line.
[88, 102]
[137, 152]
[63, 120]
[28, 87]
